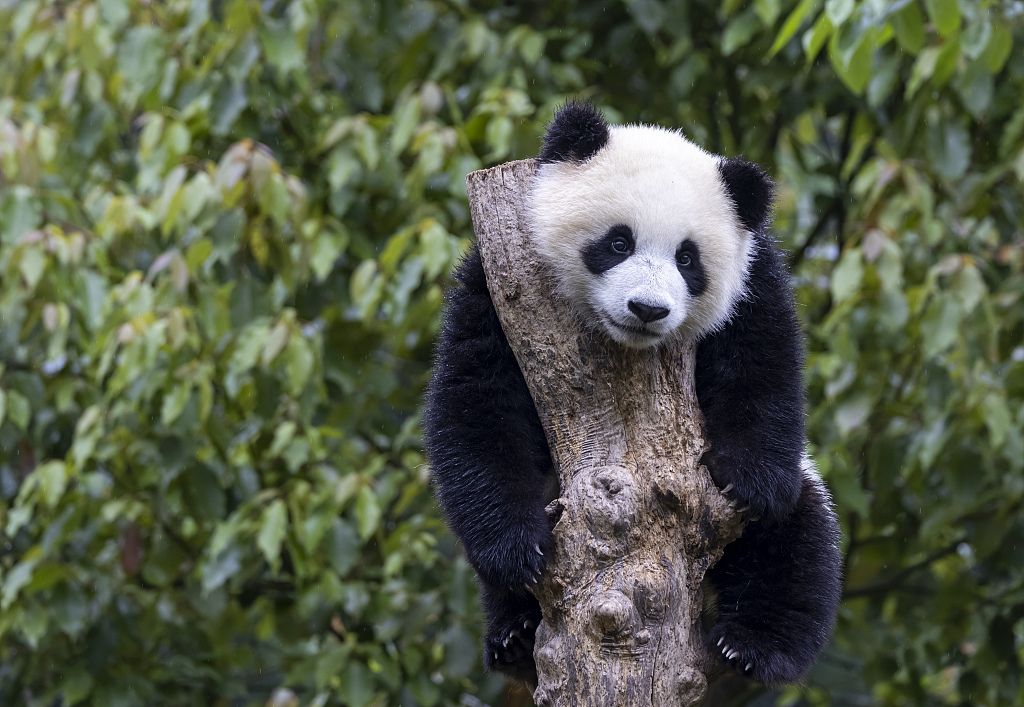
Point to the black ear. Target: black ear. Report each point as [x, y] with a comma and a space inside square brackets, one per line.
[750, 188]
[576, 133]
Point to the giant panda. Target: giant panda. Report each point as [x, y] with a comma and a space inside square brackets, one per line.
[648, 238]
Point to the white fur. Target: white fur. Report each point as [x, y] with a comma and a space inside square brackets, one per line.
[810, 472]
[666, 189]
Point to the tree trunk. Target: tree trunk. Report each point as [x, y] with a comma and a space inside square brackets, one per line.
[640, 521]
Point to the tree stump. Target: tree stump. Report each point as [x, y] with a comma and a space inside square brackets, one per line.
[639, 520]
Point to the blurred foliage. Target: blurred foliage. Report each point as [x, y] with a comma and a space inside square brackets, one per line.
[225, 227]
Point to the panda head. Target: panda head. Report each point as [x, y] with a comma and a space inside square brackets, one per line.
[647, 234]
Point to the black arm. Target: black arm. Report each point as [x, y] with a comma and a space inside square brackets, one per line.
[750, 389]
[490, 464]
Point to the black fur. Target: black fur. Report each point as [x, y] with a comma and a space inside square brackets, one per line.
[694, 274]
[576, 133]
[750, 189]
[490, 465]
[779, 584]
[749, 380]
[599, 256]
[778, 591]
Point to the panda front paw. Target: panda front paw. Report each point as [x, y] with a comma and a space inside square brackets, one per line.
[757, 656]
[515, 563]
[508, 647]
[751, 483]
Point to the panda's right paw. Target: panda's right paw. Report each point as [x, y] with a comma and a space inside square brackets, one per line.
[751, 483]
[761, 657]
[515, 564]
[508, 647]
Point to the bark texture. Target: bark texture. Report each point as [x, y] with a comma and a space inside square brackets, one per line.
[640, 522]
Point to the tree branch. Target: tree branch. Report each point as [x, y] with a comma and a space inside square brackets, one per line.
[896, 580]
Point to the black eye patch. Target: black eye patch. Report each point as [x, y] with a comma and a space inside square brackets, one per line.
[609, 250]
[690, 267]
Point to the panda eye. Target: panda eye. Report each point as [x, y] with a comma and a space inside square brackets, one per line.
[684, 260]
[620, 245]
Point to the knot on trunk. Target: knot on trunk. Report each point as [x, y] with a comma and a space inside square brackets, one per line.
[610, 501]
[615, 615]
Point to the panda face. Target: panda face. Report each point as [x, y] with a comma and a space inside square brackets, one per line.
[643, 236]
[641, 289]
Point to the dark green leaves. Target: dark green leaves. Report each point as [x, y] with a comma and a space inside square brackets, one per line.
[225, 229]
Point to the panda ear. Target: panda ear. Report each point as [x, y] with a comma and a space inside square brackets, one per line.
[576, 133]
[750, 189]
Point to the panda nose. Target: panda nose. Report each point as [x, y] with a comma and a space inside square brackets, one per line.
[646, 313]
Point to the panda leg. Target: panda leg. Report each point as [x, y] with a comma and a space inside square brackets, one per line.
[512, 619]
[778, 590]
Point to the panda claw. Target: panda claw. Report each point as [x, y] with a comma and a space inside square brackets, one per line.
[744, 509]
[527, 625]
[750, 666]
[727, 489]
[720, 641]
[539, 551]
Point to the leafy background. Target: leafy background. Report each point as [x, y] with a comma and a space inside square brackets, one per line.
[225, 229]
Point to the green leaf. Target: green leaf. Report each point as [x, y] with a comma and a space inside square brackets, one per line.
[274, 199]
[997, 418]
[838, 11]
[52, 480]
[847, 276]
[949, 147]
[15, 581]
[18, 410]
[970, 286]
[998, 49]
[342, 547]
[940, 325]
[368, 512]
[272, 531]
[793, 22]
[32, 265]
[976, 88]
[923, 69]
[407, 117]
[648, 14]
[852, 414]
[174, 402]
[740, 30]
[299, 362]
[767, 11]
[851, 54]
[221, 569]
[76, 686]
[814, 39]
[976, 37]
[499, 136]
[356, 687]
[282, 47]
[945, 14]
[908, 25]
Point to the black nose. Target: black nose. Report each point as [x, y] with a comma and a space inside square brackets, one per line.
[646, 313]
